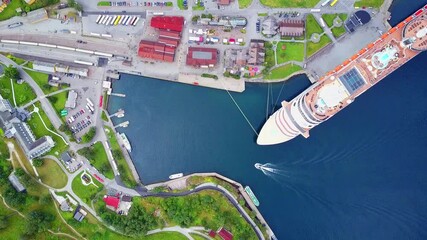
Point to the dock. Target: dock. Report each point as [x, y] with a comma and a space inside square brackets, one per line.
[118, 94]
[123, 124]
[120, 113]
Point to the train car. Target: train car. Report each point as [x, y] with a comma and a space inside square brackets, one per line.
[104, 54]
[47, 45]
[66, 48]
[84, 51]
[28, 43]
[83, 62]
[9, 41]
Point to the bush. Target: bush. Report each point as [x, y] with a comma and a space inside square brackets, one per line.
[206, 75]
[104, 4]
[38, 162]
[89, 135]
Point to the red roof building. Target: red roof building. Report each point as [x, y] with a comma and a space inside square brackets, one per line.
[112, 202]
[156, 51]
[170, 42]
[170, 34]
[212, 234]
[202, 57]
[225, 234]
[168, 23]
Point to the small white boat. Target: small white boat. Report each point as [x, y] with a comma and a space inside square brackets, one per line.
[176, 175]
[126, 142]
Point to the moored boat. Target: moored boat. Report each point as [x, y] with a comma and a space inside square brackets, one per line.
[252, 195]
[176, 175]
[126, 142]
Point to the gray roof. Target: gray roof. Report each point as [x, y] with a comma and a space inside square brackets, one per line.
[16, 183]
[127, 198]
[66, 157]
[202, 55]
[78, 216]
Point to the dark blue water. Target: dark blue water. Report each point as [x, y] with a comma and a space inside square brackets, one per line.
[361, 175]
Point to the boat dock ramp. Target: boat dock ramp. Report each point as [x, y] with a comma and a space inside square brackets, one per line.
[123, 124]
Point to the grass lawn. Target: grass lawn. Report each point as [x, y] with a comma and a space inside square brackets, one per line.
[23, 92]
[17, 60]
[29, 65]
[312, 26]
[329, 18]
[51, 174]
[283, 72]
[338, 32]
[58, 101]
[181, 4]
[198, 8]
[42, 80]
[9, 11]
[369, 3]
[197, 237]
[104, 116]
[289, 3]
[39, 130]
[97, 156]
[86, 193]
[312, 48]
[166, 235]
[269, 55]
[293, 51]
[125, 172]
[244, 3]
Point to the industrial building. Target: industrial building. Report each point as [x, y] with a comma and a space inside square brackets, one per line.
[172, 23]
[202, 57]
[156, 50]
[59, 68]
[13, 125]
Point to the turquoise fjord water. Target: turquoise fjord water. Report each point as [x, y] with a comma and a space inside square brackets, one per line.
[361, 174]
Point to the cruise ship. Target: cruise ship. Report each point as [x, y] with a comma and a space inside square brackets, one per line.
[126, 142]
[341, 86]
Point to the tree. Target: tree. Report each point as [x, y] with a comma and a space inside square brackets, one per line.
[11, 72]
[117, 154]
[38, 162]
[19, 172]
[71, 3]
[78, 7]
[38, 221]
[27, 9]
[4, 222]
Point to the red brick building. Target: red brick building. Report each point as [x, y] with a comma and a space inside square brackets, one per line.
[156, 51]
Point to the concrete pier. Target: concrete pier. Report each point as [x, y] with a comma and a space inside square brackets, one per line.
[123, 124]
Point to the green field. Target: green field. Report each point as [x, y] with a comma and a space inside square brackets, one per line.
[166, 235]
[97, 156]
[51, 174]
[37, 198]
[282, 72]
[39, 130]
[244, 3]
[58, 101]
[269, 55]
[17, 60]
[329, 20]
[23, 92]
[369, 3]
[86, 193]
[9, 11]
[292, 52]
[197, 237]
[312, 48]
[125, 172]
[312, 26]
[198, 8]
[289, 3]
[42, 80]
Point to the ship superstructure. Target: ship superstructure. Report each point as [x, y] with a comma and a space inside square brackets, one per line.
[338, 88]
